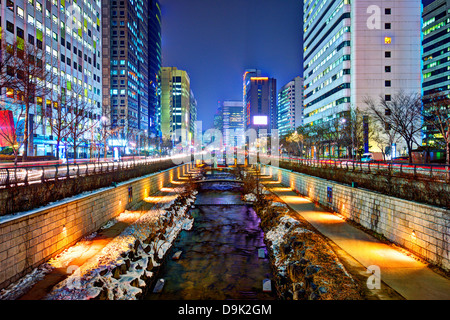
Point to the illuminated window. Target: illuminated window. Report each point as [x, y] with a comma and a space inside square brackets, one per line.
[387, 40]
[9, 93]
[20, 12]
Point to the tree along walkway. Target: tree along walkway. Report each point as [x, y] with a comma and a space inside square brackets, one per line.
[408, 276]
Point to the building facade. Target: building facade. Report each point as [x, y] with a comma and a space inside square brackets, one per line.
[131, 58]
[355, 50]
[192, 116]
[175, 105]
[436, 58]
[154, 65]
[233, 123]
[290, 106]
[260, 103]
[64, 37]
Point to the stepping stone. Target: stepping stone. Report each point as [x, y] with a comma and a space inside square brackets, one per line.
[261, 253]
[159, 286]
[267, 285]
[177, 255]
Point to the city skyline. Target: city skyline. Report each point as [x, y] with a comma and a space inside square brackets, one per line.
[271, 42]
[196, 13]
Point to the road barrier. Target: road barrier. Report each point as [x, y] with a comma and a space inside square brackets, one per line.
[11, 176]
[421, 171]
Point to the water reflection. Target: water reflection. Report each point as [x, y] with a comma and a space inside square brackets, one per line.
[219, 257]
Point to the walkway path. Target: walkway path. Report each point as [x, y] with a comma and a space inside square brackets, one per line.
[91, 247]
[409, 277]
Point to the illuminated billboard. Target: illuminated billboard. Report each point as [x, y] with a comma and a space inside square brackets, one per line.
[7, 131]
[260, 120]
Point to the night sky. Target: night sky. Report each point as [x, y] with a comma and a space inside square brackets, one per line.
[216, 40]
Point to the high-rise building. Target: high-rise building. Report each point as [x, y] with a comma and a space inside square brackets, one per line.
[154, 64]
[290, 106]
[218, 118]
[436, 56]
[131, 55]
[260, 102]
[66, 40]
[175, 104]
[248, 74]
[358, 49]
[192, 116]
[233, 122]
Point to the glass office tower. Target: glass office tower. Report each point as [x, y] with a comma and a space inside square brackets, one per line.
[290, 106]
[132, 57]
[358, 49]
[175, 102]
[436, 57]
[67, 39]
[154, 65]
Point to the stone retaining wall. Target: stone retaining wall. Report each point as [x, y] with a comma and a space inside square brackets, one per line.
[30, 238]
[422, 229]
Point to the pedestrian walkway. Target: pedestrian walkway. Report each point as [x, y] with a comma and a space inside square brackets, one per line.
[87, 249]
[410, 278]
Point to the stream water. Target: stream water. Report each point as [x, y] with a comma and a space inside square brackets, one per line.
[219, 257]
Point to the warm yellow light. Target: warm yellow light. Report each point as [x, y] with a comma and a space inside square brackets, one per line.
[259, 78]
[281, 189]
[387, 40]
[161, 199]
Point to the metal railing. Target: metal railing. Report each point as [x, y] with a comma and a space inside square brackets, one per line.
[11, 176]
[427, 171]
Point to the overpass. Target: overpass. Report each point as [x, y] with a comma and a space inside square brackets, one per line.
[217, 181]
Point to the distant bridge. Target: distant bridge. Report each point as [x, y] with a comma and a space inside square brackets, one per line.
[218, 181]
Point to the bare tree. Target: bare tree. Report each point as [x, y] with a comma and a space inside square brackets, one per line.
[402, 114]
[437, 117]
[292, 143]
[357, 130]
[352, 136]
[11, 127]
[7, 76]
[33, 77]
[384, 138]
[107, 131]
[311, 138]
[81, 117]
[59, 120]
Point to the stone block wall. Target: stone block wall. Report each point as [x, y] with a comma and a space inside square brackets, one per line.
[30, 238]
[420, 228]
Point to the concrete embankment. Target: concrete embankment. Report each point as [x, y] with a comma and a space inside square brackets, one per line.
[305, 266]
[353, 220]
[29, 239]
[422, 229]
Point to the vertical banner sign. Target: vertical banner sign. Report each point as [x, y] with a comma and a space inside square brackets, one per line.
[130, 194]
[330, 194]
[7, 130]
[366, 133]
